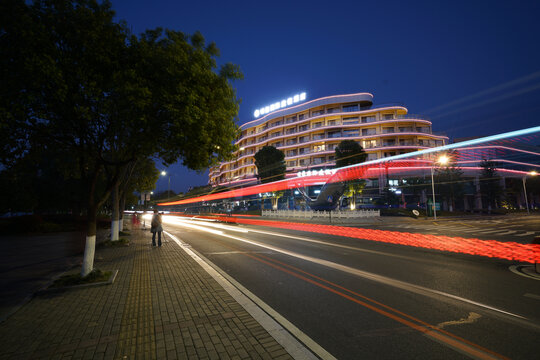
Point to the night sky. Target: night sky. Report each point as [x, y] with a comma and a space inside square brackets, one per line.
[472, 67]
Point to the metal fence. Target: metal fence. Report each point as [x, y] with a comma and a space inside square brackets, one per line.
[309, 214]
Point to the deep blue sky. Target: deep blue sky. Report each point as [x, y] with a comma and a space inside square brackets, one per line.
[472, 66]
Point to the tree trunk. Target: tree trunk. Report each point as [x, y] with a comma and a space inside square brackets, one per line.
[115, 217]
[90, 246]
[353, 202]
[275, 203]
[121, 209]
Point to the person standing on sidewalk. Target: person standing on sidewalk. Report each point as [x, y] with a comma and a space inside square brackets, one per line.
[156, 227]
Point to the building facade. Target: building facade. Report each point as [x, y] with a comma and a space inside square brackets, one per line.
[309, 132]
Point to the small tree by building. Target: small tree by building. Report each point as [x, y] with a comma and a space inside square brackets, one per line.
[270, 164]
[490, 187]
[450, 182]
[271, 167]
[349, 152]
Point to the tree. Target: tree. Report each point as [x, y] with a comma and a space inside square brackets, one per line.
[138, 175]
[353, 188]
[417, 188]
[270, 164]
[450, 181]
[24, 187]
[144, 177]
[77, 81]
[490, 187]
[349, 152]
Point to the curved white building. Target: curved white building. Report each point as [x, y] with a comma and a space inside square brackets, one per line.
[309, 132]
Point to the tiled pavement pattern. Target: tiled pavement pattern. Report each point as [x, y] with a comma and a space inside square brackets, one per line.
[162, 305]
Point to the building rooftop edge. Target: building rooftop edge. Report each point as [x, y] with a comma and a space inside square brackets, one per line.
[364, 96]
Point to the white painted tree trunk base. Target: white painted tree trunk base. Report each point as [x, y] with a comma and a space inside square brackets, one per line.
[121, 227]
[115, 226]
[88, 259]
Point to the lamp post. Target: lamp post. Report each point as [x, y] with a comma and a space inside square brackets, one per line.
[532, 173]
[443, 159]
[164, 173]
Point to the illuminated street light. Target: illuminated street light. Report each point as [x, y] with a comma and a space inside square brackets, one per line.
[442, 160]
[164, 173]
[532, 173]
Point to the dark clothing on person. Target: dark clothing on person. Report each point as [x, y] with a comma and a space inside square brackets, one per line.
[156, 227]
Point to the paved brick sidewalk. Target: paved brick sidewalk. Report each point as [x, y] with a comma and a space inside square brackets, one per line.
[162, 305]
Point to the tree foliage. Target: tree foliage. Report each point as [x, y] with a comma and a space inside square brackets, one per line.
[75, 81]
[490, 183]
[349, 152]
[270, 164]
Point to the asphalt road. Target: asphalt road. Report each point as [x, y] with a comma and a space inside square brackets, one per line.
[365, 299]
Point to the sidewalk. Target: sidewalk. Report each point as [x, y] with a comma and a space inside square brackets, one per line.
[162, 305]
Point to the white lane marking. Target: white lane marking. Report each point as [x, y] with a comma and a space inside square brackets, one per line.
[473, 317]
[277, 326]
[381, 253]
[237, 252]
[532, 296]
[199, 224]
[526, 234]
[374, 277]
[508, 232]
[487, 231]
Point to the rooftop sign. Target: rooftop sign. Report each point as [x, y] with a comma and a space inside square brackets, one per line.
[280, 104]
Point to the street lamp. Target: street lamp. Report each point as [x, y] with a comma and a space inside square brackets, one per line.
[442, 160]
[532, 173]
[164, 173]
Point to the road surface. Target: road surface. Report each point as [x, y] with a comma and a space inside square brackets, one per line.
[366, 299]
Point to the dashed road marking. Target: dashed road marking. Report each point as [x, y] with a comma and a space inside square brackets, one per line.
[526, 234]
[473, 317]
[508, 232]
[237, 252]
[532, 296]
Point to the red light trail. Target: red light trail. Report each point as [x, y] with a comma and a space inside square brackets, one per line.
[529, 253]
